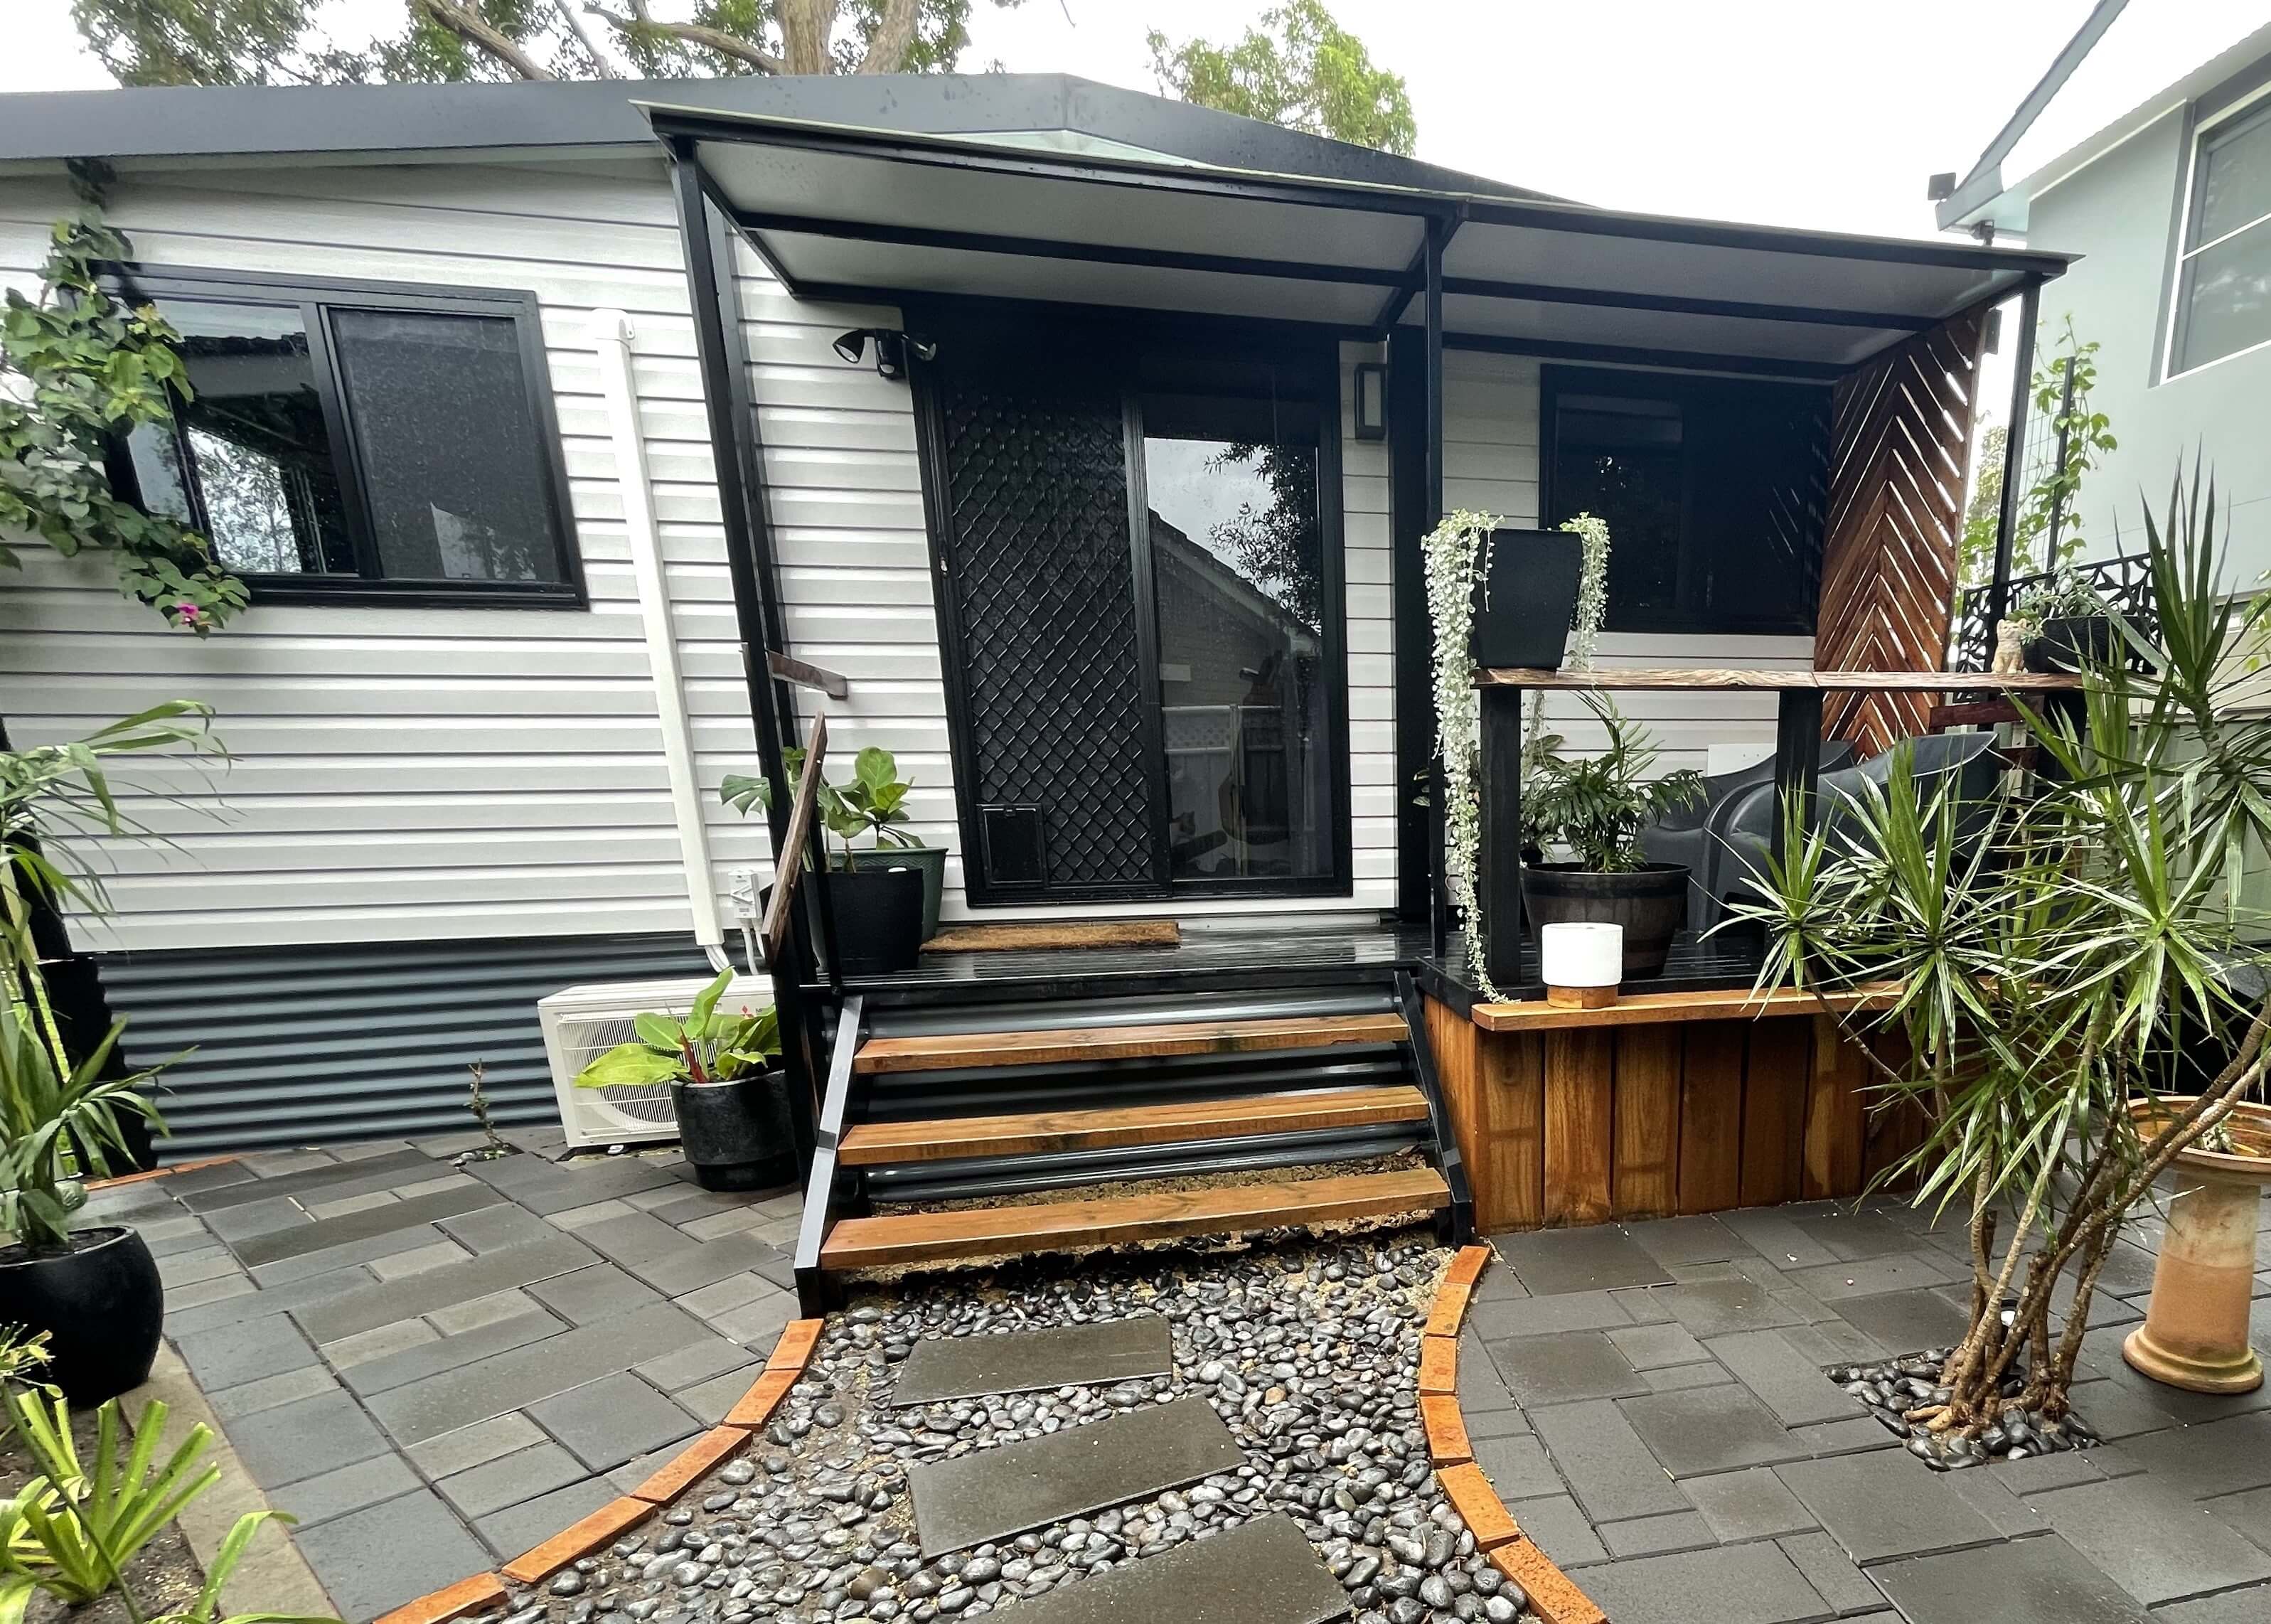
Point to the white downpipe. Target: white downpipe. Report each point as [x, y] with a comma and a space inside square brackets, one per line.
[612, 330]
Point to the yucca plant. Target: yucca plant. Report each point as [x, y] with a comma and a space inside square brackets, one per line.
[2054, 952]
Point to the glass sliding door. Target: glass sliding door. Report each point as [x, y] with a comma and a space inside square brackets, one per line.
[1238, 582]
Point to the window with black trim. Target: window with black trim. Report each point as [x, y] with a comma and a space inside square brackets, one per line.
[1714, 491]
[2223, 271]
[349, 442]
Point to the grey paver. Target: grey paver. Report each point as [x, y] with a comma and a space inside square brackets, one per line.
[1882, 1506]
[1261, 1572]
[511, 1478]
[373, 1173]
[2036, 1474]
[1719, 1307]
[1700, 1239]
[2251, 1605]
[256, 1218]
[419, 1212]
[1015, 1487]
[210, 1262]
[1516, 1466]
[247, 1351]
[350, 1489]
[1707, 1429]
[365, 1346]
[707, 1402]
[206, 1178]
[2156, 1543]
[1986, 1492]
[2222, 1457]
[1907, 1322]
[1595, 1258]
[1873, 1277]
[545, 1187]
[1652, 1347]
[269, 1391]
[515, 1379]
[530, 1524]
[702, 1261]
[1731, 1584]
[492, 1229]
[1555, 1525]
[1565, 1366]
[1676, 1378]
[697, 1362]
[374, 1560]
[1787, 1383]
[1652, 1535]
[597, 1293]
[476, 1445]
[1542, 1316]
[756, 1324]
[608, 1421]
[1831, 1573]
[1752, 1504]
[1607, 1466]
[258, 1304]
[2249, 1512]
[1850, 1235]
[304, 1439]
[429, 1359]
[1022, 1361]
[352, 1312]
[1771, 1234]
[2042, 1581]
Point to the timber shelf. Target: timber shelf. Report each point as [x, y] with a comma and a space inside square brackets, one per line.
[1179, 1121]
[1728, 679]
[1112, 1220]
[1056, 1045]
[1659, 1009]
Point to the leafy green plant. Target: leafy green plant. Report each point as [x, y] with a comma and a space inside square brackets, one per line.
[2051, 962]
[59, 1127]
[1595, 807]
[86, 369]
[708, 1045]
[73, 1528]
[2063, 594]
[873, 804]
[2086, 434]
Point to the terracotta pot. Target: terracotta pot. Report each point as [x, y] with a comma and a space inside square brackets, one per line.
[2195, 1333]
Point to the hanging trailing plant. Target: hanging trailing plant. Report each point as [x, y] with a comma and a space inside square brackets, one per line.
[1457, 556]
[77, 370]
[1592, 588]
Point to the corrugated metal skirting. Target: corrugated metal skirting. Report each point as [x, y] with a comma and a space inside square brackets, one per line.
[321, 1044]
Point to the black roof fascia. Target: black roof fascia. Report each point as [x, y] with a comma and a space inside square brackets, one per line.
[177, 122]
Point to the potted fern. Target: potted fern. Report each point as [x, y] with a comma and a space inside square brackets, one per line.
[1583, 815]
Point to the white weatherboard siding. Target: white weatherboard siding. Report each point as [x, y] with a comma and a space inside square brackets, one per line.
[406, 773]
[1490, 464]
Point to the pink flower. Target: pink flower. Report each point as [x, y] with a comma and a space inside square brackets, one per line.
[187, 613]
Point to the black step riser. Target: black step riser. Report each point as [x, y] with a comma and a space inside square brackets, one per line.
[901, 1096]
[998, 1175]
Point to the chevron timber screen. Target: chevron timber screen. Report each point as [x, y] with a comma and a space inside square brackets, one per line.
[1900, 450]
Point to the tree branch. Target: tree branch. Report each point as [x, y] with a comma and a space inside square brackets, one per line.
[694, 34]
[482, 37]
[805, 27]
[568, 14]
[893, 38]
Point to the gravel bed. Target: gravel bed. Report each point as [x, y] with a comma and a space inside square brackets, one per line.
[1308, 1352]
[1890, 1388]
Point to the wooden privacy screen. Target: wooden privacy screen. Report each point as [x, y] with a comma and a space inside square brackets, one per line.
[1585, 1124]
[1899, 450]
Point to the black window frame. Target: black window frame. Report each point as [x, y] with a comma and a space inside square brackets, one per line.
[1311, 355]
[318, 298]
[1687, 390]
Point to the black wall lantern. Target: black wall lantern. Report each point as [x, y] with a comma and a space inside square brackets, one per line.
[1371, 400]
[891, 349]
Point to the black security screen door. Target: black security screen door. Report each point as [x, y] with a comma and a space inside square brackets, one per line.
[1140, 601]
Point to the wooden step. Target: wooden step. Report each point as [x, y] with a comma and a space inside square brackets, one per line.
[942, 1139]
[946, 1051]
[1152, 1215]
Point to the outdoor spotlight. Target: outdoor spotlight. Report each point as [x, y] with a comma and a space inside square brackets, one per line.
[892, 347]
[1371, 400]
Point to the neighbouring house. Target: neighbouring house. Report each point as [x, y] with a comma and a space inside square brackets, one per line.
[2166, 198]
[1080, 441]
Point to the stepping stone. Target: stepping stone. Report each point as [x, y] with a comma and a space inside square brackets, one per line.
[1262, 1572]
[1026, 1361]
[376, 1173]
[997, 1493]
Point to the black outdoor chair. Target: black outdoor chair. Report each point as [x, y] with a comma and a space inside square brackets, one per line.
[1695, 834]
[1970, 757]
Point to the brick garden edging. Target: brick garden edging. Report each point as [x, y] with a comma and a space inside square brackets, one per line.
[608, 1524]
[1554, 1597]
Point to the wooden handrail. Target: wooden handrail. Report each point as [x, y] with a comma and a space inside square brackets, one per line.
[790, 865]
[804, 673]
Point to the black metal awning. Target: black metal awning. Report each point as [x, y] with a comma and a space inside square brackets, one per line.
[842, 211]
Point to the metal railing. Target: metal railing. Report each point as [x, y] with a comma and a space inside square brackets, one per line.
[2123, 582]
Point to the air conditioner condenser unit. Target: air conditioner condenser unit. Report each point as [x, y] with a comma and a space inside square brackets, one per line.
[582, 1023]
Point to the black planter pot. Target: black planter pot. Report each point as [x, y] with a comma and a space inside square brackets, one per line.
[1650, 903]
[930, 861]
[1524, 611]
[101, 1303]
[878, 915]
[2065, 643]
[735, 1136]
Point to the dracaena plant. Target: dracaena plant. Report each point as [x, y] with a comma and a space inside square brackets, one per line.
[709, 1045]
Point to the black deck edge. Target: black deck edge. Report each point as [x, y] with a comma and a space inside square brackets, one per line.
[1459, 1216]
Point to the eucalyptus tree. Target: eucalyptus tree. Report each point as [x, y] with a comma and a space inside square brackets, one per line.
[2055, 951]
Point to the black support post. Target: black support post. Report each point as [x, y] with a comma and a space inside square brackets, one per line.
[1498, 883]
[1431, 509]
[1797, 759]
